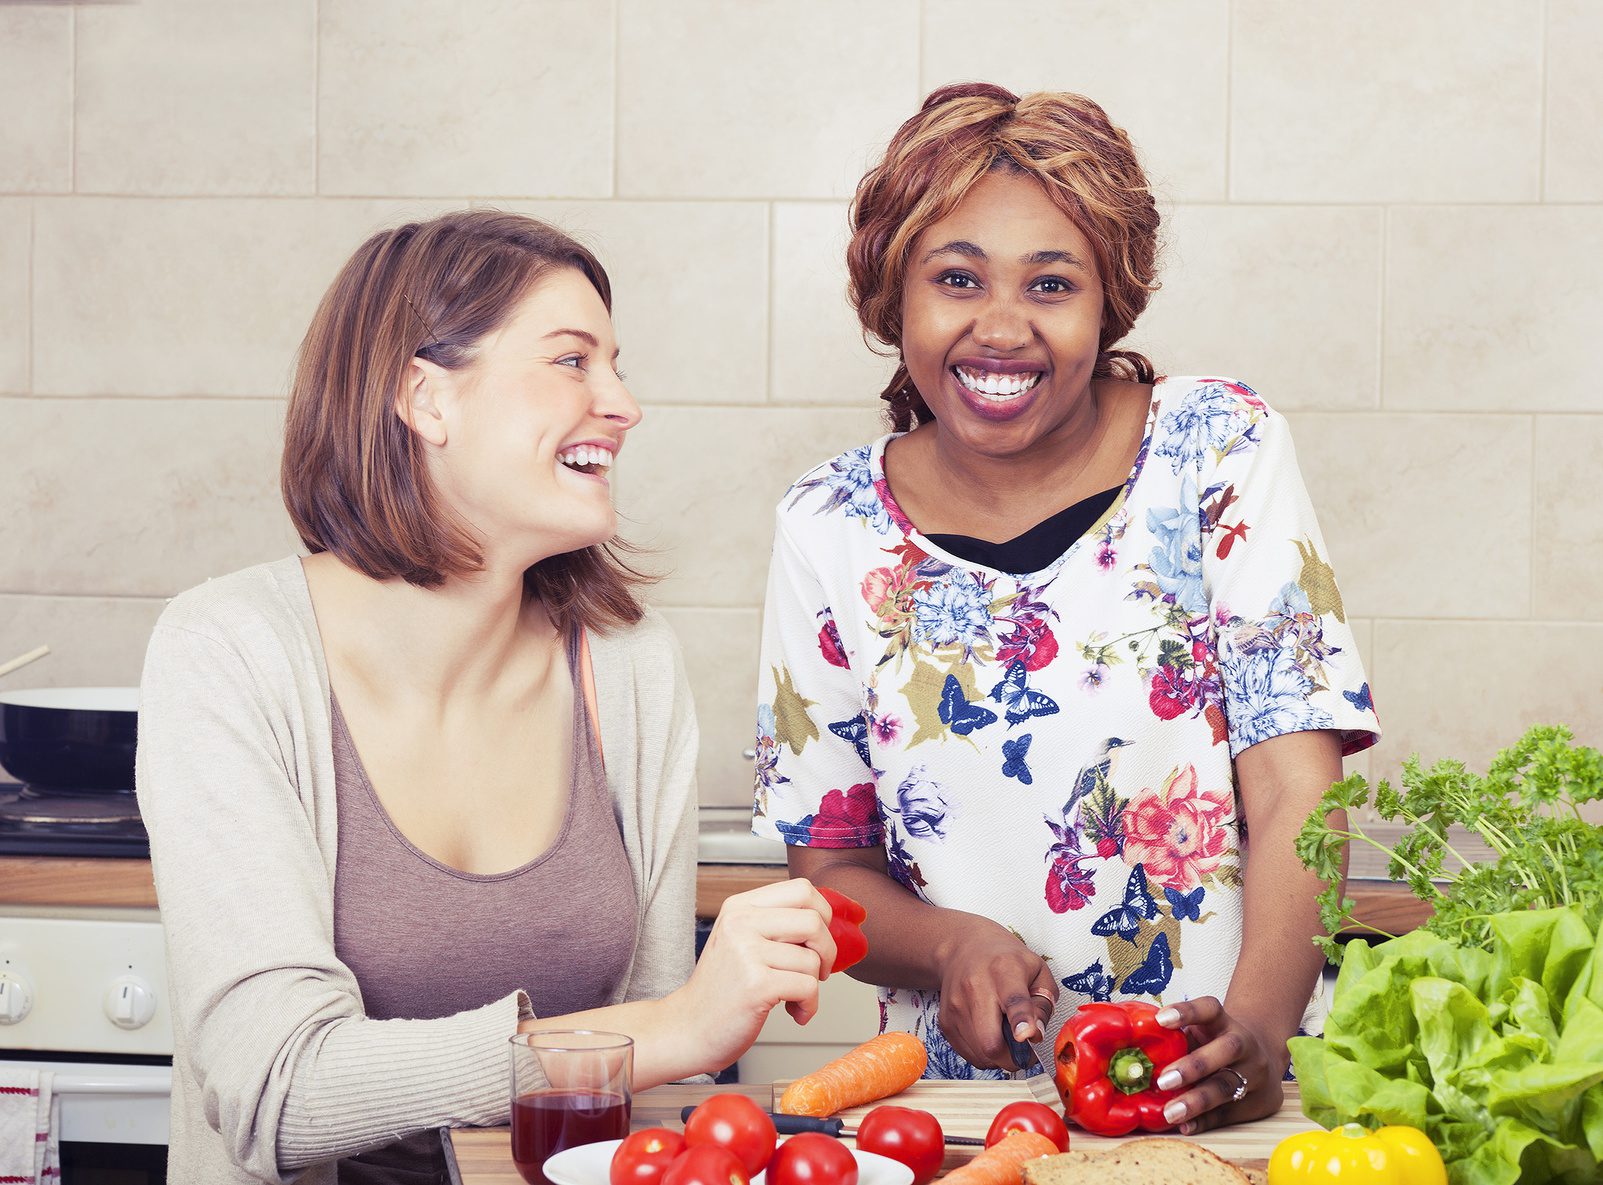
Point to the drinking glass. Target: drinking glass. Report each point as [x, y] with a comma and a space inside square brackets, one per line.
[569, 1087]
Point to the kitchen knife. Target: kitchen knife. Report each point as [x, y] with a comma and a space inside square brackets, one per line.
[790, 1125]
[1023, 1053]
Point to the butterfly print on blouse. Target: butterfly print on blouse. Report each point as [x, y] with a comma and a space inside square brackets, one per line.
[1138, 906]
[1020, 701]
[959, 713]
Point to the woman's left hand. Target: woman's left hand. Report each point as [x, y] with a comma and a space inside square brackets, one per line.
[1226, 1052]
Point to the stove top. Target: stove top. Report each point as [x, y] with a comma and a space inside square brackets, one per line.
[34, 824]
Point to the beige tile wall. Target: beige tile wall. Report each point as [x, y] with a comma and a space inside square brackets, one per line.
[164, 93]
[493, 98]
[1387, 217]
[36, 77]
[1372, 101]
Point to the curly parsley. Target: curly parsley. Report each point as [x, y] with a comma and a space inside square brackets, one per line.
[1527, 810]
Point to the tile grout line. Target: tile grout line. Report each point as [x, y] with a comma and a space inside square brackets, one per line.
[820, 406]
[769, 362]
[72, 91]
[1541, 101]
[1533, 521]
[751, 607]
[33, 319]
[317, 97]
[920, 83]
[1230, 94]
[743, 199]
[1380, 309]
[617, 90]
[102, 397]
[1491, 622]
[90, 596]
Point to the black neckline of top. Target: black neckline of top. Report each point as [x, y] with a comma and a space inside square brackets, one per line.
[1038, 547]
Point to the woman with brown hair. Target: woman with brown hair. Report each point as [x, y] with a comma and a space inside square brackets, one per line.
[434, 783]
[1035, 663]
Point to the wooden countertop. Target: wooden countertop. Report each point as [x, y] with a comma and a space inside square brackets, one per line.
[64, 880]
[44, 880]
[483, 1156]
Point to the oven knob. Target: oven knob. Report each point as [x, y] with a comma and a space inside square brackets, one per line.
[16, 998]
[129, 1002]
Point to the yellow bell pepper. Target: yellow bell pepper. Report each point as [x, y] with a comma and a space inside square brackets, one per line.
[1353, 1153]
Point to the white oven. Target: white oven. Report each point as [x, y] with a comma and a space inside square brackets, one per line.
[83, 994]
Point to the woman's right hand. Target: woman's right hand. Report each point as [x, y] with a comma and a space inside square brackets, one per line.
[987, 973]
[768, 946]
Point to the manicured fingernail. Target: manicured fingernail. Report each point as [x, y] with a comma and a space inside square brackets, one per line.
[1187, 1128]
[1169, 1079]
[1168, 1017]
[1022, 1030]
[1174, 1112]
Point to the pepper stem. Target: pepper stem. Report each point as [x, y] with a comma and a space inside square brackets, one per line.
[1131, 1071]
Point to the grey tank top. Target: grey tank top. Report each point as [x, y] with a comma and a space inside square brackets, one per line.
[427, 940]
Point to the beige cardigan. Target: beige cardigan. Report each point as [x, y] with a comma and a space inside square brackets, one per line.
[276, 1070]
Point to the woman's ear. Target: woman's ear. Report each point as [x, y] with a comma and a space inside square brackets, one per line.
[416, 403]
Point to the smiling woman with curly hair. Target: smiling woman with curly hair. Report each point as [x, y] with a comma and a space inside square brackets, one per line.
[1062, 637]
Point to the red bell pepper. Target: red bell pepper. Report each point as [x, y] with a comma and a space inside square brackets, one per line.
[846, 928]
[1108, 1058]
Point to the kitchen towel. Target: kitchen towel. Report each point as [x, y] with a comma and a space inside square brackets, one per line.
[30, 1119]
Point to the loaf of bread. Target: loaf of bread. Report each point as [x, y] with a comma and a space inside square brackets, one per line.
[1155, 1161]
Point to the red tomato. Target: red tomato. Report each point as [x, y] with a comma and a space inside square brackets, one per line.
[812, 1159]
[644, 1156]
[912, 1137]
[706, 1165]
[734, 1122]
[1029, 1117]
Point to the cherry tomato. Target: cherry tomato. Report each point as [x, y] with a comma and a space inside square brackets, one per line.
[1026, 1116]
[911, 1137]
[812, 1159]
[644, 1156]
[706, 1165]
[734, 1122]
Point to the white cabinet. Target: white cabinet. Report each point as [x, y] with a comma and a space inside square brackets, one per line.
[848, 1015]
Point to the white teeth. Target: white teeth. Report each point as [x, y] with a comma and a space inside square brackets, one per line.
[994, 385]
[582, 455]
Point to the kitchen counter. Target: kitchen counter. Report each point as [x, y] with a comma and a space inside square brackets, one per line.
[45, 880]
[483, 1156]
[66, 880]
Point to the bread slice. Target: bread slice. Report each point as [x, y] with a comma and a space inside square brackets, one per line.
[1154, 1161]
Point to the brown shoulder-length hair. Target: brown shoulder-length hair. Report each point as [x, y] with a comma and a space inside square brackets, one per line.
[353, 474]
[1067, 143]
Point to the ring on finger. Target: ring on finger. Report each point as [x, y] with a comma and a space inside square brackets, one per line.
[1047, 996]
[1240, 1091]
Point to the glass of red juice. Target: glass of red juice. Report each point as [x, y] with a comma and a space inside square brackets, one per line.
[569, 1087]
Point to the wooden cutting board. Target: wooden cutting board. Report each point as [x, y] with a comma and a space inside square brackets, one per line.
[483, 1155]
[967, 1108]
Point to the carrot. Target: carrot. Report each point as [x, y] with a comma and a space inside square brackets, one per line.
[1003, 1162]
[876, 1069]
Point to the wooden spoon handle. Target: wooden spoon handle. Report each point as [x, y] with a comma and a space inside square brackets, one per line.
[23, 660]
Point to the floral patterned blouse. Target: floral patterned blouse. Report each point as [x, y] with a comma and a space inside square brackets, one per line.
[1054, 750]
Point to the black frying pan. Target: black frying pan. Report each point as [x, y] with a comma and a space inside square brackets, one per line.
[67, 740]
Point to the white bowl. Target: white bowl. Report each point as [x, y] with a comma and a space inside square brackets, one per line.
[588, 1164]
